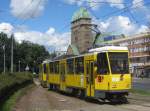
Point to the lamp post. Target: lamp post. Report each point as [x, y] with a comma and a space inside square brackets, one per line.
[19, 65]
[4, 59]
[12, 53]
[4, 63]
[5, 29]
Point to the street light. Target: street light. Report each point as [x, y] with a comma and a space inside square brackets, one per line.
[3, 47]
[4, 59]
[12, 53]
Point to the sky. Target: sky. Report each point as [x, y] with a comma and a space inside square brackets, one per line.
[47, 22]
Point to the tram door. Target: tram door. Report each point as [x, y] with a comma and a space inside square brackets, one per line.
[62, 76]
[89, 78]
[45, 72]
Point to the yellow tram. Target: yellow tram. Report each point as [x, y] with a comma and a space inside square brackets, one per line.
[43, 75]
[103, 73]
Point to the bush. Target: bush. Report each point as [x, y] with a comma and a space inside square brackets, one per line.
[11, 82]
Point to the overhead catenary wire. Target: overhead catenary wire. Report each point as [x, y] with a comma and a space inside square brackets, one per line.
[90, 8]
[23, 11]
[102, 2]
[121, 10]
[132, 16]
[20, 13]
[125, 9]
[34, 11]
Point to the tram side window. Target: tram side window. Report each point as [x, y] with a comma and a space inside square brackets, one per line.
[44, 67]
[102, 64]
[51, 67]
[79, 65]
[70, 66]
[56, 67]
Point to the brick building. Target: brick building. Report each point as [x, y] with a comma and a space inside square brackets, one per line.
[81, 34]
[139, 47]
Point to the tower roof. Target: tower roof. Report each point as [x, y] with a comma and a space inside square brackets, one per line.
[81, 13]
[75, 50]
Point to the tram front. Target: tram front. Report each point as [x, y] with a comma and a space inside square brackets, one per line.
[113, 79]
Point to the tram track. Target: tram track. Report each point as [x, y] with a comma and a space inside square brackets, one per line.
[43, 100]
[139, 102]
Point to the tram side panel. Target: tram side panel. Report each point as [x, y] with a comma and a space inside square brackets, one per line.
[75, 73]
[54, 77]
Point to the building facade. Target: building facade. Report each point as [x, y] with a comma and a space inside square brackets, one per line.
[81, 33]
[139, 48]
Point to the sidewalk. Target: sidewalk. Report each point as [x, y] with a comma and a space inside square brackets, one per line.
[138, 78]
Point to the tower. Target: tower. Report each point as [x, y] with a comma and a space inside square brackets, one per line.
[81, 33]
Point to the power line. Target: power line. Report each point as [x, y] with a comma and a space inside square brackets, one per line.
[65, 26]
[123, 11]
[126, 9]
[115, 11]
[130, 13]
[102, 2]
[22, 11]
[32, 12]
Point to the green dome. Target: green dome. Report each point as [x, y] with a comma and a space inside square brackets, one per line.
[81, 13]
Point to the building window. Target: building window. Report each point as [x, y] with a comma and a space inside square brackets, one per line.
[87, 34]
[76, 38]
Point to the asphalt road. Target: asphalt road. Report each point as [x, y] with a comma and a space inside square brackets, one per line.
[143, 84]
[40, 99]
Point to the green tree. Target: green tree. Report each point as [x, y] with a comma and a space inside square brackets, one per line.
[27, 53]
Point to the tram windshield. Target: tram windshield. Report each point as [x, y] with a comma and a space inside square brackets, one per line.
[102, 64]
[119, 62]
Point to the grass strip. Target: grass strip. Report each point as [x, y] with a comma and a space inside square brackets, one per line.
[11, 102]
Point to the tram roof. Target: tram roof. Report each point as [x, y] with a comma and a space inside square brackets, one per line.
[91, 51]
[109, 48]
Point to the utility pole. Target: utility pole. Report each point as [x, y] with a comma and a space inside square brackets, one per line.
[12, 53]
[19, 65]
[4, 59]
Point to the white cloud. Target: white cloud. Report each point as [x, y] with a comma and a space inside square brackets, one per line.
[116, 3]
[120, 25]
[138, 3]
[50, 31]
[50, 39]
[6, 28]
[140, 7]
[78, 2]
[143, 28]
[25, 9]
[94, 4]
